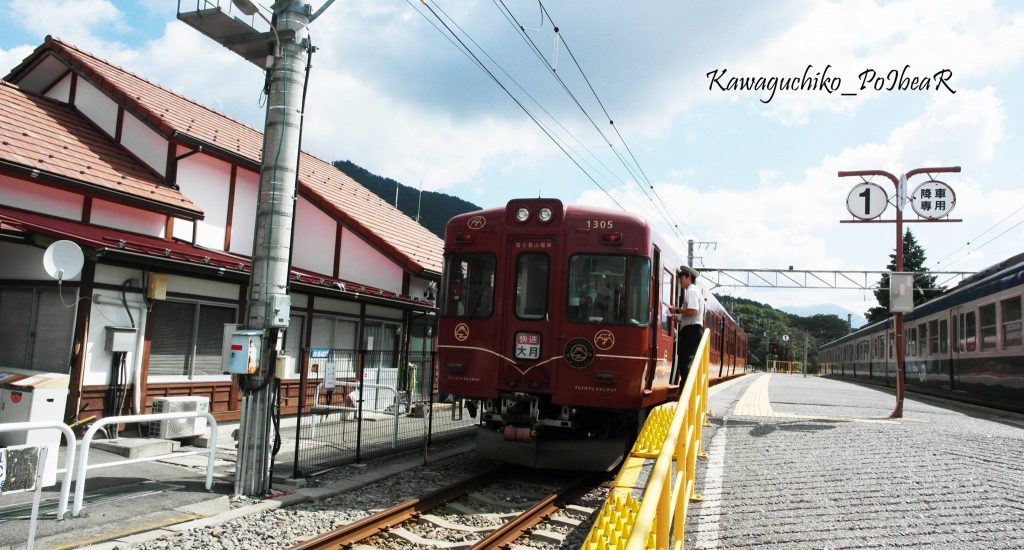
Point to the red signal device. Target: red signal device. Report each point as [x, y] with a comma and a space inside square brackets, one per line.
[464, 238]
[611, 238]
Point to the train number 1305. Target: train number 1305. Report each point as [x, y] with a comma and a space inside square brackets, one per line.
[600, 224]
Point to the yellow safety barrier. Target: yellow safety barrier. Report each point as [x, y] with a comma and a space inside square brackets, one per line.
[785, 367]
[672, 435]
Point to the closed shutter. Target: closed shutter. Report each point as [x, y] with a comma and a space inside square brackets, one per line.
[293, 339]
[171, 339]
[15, 322]
[323, 332]
[55, 325]
[210, 338]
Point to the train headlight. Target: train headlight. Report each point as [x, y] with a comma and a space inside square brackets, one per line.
[544, 215]
[522, 215]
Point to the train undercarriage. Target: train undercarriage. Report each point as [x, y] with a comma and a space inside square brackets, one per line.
[530, 430]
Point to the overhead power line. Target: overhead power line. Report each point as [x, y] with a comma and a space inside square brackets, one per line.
[512, 96]
[641, 179]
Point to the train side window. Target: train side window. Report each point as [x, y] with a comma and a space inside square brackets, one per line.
[1011, 322]
[943, 337]
[892, 344]
[933, 336]
[667, 297]
[913, 342]
[987, 322]
[922, 339]
[970, 330]
[638, 312]
[597, 289]
[469, 285]
[532, 285]
[954, 334]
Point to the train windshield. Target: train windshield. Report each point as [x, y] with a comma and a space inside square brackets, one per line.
[532, 286]
[469, 285]
[609, 289]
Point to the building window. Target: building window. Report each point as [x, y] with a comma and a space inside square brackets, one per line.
[36, 329]
[293, 340]
[1011, 322]
[187, 338]
[988, 327]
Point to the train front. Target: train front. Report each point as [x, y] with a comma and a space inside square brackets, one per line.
[544, 329]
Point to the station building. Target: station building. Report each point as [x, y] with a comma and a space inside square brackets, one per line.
[160, 192]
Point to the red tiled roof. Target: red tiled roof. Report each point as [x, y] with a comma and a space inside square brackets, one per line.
[21, 222]
[46, 135]
[368, 215]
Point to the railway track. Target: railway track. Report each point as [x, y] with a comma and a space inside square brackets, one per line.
[490, 510]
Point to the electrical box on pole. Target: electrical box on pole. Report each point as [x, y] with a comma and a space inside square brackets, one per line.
[901, 292]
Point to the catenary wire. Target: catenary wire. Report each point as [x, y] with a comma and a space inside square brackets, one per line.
[530, 114]
[663, 211]
[521, 88]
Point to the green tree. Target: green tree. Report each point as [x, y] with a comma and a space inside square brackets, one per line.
[924, 285]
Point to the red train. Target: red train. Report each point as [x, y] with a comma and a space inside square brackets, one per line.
[554, 322]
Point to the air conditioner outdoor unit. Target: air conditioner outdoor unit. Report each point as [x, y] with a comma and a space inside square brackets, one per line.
[179, 427]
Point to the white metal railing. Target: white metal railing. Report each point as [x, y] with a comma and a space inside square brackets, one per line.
[69, 461]
[394, 412]
[83, 459]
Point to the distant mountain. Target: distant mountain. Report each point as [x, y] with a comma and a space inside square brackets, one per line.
[435, 210]
[857, 321]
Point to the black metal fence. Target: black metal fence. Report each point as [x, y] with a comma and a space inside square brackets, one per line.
[357, 404]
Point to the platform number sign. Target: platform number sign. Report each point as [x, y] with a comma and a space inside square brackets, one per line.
[867, 201]
[933, 199]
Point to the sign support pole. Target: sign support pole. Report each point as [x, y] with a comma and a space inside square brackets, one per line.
[899, 184]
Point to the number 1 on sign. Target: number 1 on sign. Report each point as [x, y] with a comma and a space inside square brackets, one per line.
[867, 200]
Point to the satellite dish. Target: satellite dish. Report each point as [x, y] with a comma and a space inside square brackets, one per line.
[63, 260]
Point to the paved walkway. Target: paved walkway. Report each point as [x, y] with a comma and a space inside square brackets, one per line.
[815, 463]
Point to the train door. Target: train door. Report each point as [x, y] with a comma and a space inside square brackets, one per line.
[529, 336]
[653, 350]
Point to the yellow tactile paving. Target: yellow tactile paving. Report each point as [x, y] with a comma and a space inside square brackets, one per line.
[756, 402]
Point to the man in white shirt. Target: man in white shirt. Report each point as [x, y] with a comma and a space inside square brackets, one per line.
[690, 319]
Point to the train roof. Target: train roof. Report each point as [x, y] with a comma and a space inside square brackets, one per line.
[1005, 274]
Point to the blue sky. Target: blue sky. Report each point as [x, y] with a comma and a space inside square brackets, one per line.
[390, 93]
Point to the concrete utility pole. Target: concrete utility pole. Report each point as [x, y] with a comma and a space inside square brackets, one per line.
[268, 306]
[900, 184]
[269, 302]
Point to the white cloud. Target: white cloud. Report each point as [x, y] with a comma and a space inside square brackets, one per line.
[969, 38]
[796, 223]
[73, 20]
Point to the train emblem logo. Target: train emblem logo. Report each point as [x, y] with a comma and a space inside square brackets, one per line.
[604, 340]
[461, 332]
[578, 353]
[476, 222]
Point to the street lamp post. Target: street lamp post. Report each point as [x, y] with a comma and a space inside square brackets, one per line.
[899, 183]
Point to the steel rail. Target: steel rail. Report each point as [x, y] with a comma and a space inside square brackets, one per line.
[516, 528]
[404, 511]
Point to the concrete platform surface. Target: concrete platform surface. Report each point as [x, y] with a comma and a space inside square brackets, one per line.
[799, 463]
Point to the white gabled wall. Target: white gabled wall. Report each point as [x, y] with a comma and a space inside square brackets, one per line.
[144, 143]
[206, 181]
[95, 105]
[362, 263]
[32, 196]
[136, 220]
[243, 215]
[61, 91]
[315, 233]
